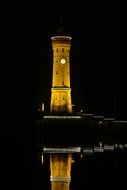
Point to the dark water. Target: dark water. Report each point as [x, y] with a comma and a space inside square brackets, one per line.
[101, 170]
[21, 167]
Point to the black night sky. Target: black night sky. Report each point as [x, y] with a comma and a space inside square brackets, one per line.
[98, 55]
[98, 68]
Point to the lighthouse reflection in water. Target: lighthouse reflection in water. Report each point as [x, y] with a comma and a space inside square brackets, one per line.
[60, 171]
[60, 165]
[72, 169]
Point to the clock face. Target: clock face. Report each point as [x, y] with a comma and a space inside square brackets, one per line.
[63, 61]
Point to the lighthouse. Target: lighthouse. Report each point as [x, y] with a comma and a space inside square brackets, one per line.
[61, 90]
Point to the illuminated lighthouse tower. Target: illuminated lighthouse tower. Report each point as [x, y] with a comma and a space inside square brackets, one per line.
[61, 91]
[60, 164]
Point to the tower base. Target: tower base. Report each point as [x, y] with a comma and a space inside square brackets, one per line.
[61, 100]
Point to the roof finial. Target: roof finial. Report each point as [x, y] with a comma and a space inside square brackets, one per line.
[61, 27]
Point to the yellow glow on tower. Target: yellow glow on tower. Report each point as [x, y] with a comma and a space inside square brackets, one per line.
[61, 91]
